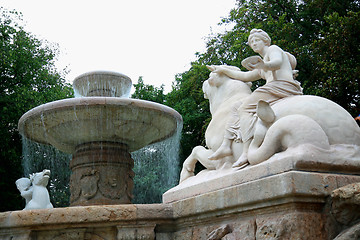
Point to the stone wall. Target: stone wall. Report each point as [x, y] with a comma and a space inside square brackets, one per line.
[288, 204]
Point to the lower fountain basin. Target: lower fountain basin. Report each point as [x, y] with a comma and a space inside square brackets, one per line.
[68, 123]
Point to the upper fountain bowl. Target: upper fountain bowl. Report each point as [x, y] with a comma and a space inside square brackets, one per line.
[102, 114]
[102, 83]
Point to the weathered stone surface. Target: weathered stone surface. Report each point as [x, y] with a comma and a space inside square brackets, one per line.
[352, 233]
[281, 206]
[144, 211]
[73, 234]
[68, 216]
[219, 233]
[245, 229]
[296, 225]
[346, 203]
[136, 232]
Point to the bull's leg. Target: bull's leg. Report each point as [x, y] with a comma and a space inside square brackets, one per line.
[198, 154]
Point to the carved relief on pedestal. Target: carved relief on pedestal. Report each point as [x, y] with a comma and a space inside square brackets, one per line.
[87, 186]
[102, 174]
[114, 185]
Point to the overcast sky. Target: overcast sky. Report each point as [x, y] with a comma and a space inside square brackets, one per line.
[154, 39]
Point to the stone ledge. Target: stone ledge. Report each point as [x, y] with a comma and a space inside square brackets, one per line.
[212, 180]
[88, 215]
[292, 186]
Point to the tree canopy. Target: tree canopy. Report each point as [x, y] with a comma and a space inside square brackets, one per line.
[148, 92]
[28, 78]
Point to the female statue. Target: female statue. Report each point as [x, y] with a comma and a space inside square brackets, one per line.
[277, 67]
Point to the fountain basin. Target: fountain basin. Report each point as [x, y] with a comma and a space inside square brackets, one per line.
[68, 123]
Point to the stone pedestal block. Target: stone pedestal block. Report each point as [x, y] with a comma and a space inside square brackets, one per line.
[101, 174]
[274, 200]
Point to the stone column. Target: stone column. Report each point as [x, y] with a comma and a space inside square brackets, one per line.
[101, 174]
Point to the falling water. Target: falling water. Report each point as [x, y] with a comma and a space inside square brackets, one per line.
[156, 169]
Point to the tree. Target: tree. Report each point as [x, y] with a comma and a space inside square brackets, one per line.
[337, 55]
[148, 92]
[28, 78]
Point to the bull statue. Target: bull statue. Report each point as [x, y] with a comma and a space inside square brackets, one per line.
[274, 121]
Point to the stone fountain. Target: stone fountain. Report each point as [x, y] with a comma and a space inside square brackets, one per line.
[100, 127]
[297, 179]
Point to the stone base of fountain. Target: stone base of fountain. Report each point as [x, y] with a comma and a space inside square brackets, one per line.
[101, 174]
[274, 200]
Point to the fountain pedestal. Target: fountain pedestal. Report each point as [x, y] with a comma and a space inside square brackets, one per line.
[101, 174]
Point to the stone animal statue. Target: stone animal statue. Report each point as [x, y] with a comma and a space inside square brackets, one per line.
[334, 124]
[222, 93]
[36, 195]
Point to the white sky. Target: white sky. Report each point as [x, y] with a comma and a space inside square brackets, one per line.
[154, 39]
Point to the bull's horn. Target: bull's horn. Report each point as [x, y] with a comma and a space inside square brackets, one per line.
[211, 67]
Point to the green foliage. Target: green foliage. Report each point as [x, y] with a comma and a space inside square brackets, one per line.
[148, 92]
[338, 70]
[28, 78]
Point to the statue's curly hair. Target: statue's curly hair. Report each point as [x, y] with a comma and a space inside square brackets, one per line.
[260, 34]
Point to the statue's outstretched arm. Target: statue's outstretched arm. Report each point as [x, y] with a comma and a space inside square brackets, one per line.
[236, 73]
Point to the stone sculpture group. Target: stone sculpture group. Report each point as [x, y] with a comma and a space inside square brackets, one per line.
[274, 121]
[34, 190]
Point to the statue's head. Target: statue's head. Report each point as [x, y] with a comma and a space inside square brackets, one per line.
[259, 34]
[40, 178]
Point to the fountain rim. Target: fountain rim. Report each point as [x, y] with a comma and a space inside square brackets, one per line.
[97, 101]
[68, 102]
